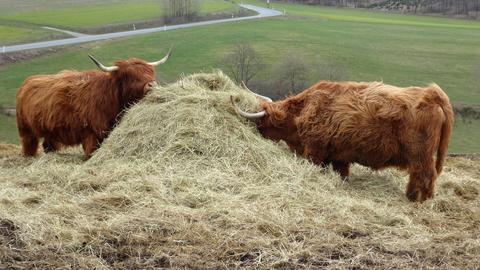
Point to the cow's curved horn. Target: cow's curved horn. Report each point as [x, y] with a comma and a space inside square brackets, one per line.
[101, 66]
[267, 99]
[251, 116]
[163, 60]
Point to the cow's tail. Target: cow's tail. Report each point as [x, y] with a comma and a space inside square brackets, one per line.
[447, 127]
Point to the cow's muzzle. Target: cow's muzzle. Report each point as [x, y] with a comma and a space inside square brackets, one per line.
[150, 86]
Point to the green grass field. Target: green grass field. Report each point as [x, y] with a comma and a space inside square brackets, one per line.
[83, 15]
[8, 129]
[12, 34]
[466, 134]
[416, 51]
[369, 16]
[105, 13]
[21, 33]
[91, 15]
[216, 6]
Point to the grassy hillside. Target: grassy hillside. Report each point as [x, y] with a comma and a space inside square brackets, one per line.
[14, 33]
[83, 15]
[8, 129]
[92, 15]
[183, 182]
[363, 43]
[465, 138]
[400, 55]
[370, 16]
[10, 34]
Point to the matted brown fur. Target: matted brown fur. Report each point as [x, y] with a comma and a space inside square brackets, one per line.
[74, 107]
[373, 124]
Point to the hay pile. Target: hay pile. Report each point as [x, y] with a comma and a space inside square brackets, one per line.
[183, 182]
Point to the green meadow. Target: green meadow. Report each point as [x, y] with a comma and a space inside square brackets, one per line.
[103, 13]
[89, 16]
[465, 138]
[369, 16]
[8, 129]
[83, 15]
[400, 50]
[12, 34]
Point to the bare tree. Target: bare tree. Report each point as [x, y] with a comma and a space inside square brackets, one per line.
[329, 70]
[291, 74]
[243, 63]
[181, 8]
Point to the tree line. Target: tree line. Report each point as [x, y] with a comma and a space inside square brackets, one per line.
[469, 8]
[181, 8]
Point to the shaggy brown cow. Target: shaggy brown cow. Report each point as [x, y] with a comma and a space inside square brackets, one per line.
[73, 107]
[373, 124]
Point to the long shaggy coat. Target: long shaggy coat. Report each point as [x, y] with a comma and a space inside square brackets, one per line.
[75, 107]
[373, 124]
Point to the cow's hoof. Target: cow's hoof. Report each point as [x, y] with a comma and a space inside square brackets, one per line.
[414, 195]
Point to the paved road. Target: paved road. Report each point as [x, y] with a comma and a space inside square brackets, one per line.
[71, 33]
[262, 13]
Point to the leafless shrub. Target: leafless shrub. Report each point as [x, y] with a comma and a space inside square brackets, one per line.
[242, 63]
[291, 74]
[329, 70]
[181, 8]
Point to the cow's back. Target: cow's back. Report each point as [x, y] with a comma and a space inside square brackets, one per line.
[60, 105]
[369, 125]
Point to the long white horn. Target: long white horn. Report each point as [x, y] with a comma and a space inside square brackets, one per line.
[245, 114]
[161, 61]
[269, 100]
[101, 66]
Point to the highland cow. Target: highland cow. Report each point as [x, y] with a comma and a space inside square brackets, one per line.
[72, 107]
[373, 124]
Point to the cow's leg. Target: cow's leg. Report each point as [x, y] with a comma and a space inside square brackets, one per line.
[422, 181]
[90, 143]
[343, 168]
[316, 155]
[49, 145]
[29, 141]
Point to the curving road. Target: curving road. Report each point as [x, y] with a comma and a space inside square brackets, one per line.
[82, 38]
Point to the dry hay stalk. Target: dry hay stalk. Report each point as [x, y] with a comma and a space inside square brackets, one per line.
[184, 182]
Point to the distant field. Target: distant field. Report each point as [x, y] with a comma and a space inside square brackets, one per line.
[21, 33]
[80, 15]
[466, 136]
[8, 129]
[10, 34]
[91, 15]
[397, 53]
[215, 6]
[104, 13]
[370, 16]
[16, 6]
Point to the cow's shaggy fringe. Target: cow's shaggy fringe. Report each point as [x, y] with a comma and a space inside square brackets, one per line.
[184, 182]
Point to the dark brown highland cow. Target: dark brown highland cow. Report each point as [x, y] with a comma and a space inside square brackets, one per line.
[72, 107]
[373, 124]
